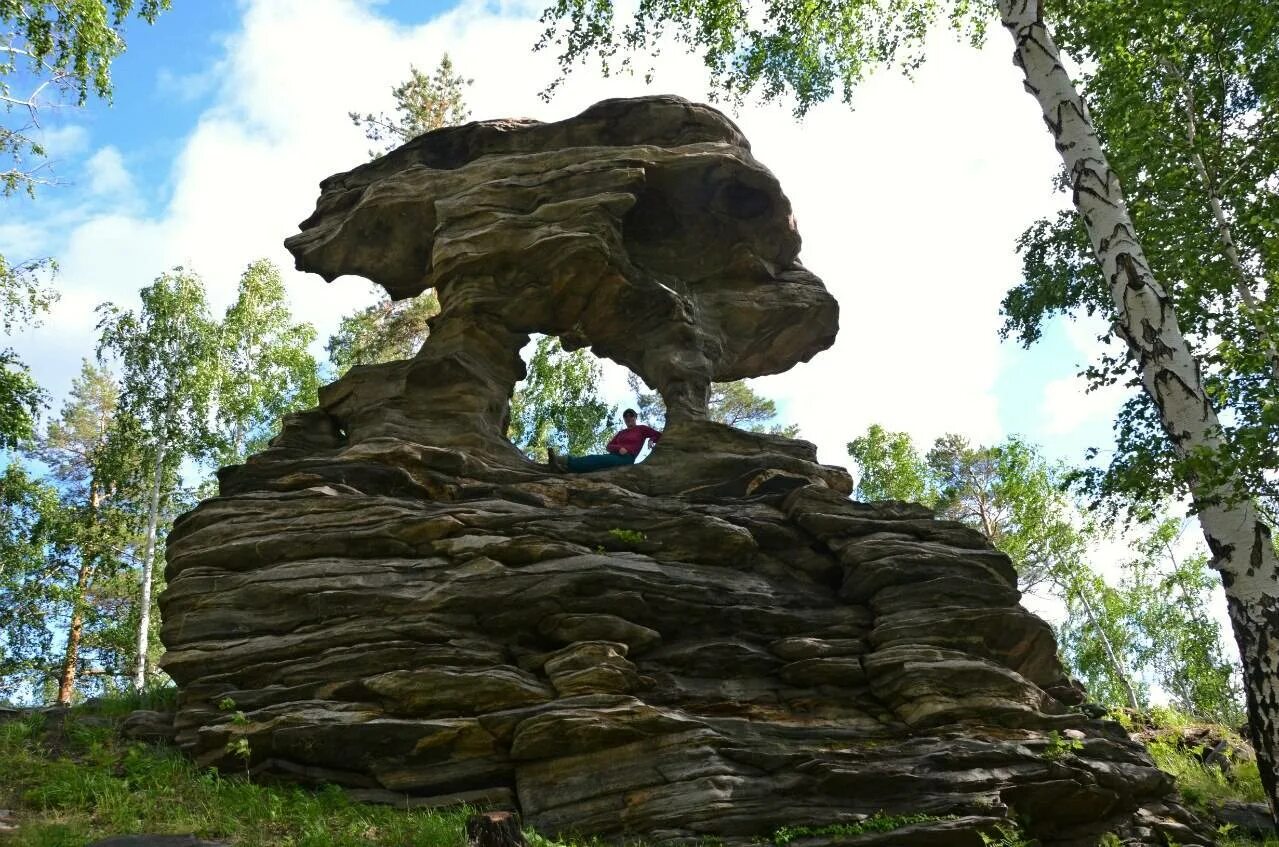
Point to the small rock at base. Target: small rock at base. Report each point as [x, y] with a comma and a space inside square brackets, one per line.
[494, 829]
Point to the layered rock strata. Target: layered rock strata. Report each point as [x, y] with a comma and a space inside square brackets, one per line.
[644, 228]
[723, 667]
[715, 643]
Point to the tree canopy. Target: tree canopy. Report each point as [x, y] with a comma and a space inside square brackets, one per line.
[1186, 110]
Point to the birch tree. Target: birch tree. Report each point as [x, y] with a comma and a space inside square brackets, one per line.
[1187, 111]
[32, 532]
[265, 369]
[51, 54]
[168, 357]
[808, 51]
[558, 404]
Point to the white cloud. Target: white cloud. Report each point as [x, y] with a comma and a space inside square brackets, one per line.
[107, 174]
[1067, 407]
[64, 141]
[908, 205]
[186, 88]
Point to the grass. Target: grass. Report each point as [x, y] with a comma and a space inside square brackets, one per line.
[1206, 785]
[878, 822]
[76, 781]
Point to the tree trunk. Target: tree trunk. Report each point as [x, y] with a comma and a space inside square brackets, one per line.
[66, 681]
[1112, 657]
[148, 567]
[1240, 542]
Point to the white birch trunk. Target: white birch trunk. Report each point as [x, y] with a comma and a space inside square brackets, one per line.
[1111, 656]
[148, 567]
[1240, 542]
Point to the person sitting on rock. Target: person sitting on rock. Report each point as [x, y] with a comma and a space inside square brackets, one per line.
[622, 450]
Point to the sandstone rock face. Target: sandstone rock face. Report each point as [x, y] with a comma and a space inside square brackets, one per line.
[779, 659]
[398, 602]
[644, 228]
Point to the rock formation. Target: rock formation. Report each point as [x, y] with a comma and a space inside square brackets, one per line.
[717, 642]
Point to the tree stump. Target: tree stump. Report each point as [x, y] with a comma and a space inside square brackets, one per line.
[494, 829]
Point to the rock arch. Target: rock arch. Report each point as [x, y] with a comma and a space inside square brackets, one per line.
[642, 228]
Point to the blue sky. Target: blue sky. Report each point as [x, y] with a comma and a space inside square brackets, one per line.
[218, 100]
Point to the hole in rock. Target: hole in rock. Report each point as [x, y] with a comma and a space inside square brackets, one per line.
[573, 401]
[386, 330]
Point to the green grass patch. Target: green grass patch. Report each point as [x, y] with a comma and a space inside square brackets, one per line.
[878, 822]
[1227, 837]
[1059, 747]
[73, 781]
[628, 537]
[1206, 785]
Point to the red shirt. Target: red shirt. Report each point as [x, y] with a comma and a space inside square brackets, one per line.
[632, 438]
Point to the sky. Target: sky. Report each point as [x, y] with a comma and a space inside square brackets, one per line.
[227, 115]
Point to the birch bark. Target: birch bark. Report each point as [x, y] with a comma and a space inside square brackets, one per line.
[148, 567]
[1242, 550]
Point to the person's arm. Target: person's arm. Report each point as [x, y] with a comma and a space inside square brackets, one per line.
[612, 445]
[653, 434]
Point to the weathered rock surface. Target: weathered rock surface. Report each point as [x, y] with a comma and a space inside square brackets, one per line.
[644, 228]
[501, 648]
[399, 603]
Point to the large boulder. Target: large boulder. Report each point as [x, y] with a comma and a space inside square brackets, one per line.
[715, 643]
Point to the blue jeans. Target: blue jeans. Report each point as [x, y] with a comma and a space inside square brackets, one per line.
[583, 464]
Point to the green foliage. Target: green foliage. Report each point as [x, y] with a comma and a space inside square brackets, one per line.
[387, 331]
[629, 537]
[1008, 492]
[1008, 835]
[558, 404]
[157, 697]
[265, 369]
[739, 405]
[33, 529]
[23, 299]
[1227, 837]
[1155, 620]
[1059, 747]
[103, 518]
[60, 51]
[81, 783]
[1185, 95]
[1014, 497]
[732, 403]
[422, 103]
[24, 296]
[21, 399]
[1206, 785]
[168, 356]
[891, 468]
[170, 368]
[775, 48]
[878, 822]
